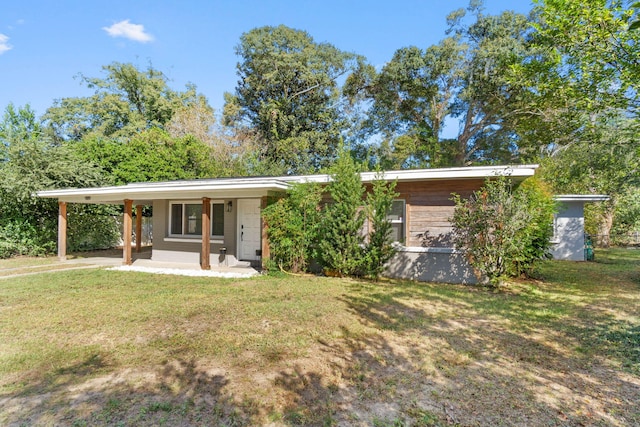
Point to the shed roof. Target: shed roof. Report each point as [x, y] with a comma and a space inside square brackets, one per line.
[581, 198]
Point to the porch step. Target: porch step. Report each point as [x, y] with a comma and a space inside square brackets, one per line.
[241, 264]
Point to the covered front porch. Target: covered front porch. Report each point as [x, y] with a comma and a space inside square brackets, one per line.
[201, 224]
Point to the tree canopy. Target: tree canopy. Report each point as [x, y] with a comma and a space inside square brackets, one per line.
[151, 155]
[289, 92]
[127, 101]
[465, 78]
[29, 163]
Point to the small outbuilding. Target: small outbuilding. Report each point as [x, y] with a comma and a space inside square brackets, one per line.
[568, 242]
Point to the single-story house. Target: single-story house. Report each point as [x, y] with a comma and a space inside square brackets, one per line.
[216, 221]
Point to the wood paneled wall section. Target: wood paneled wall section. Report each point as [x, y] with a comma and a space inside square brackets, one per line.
[428, 208]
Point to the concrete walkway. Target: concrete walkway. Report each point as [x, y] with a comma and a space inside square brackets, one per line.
[43, 269]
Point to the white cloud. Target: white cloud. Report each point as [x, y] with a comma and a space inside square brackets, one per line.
[129, 31]
[4, 44]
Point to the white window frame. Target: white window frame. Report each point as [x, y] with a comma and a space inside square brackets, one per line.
[402, 221]
[191, 237]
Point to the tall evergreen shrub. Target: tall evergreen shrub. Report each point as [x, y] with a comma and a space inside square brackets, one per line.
[379, 248]
[341, 239]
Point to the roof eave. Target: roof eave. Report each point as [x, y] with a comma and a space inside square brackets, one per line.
[581, 198]
[168, 190]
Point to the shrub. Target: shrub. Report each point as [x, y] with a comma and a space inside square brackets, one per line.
[504, 231]
[379, 248]
[92, 227]
[301, 231]
[341, 241]
[292, 223]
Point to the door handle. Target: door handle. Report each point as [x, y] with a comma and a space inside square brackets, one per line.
[242, 236]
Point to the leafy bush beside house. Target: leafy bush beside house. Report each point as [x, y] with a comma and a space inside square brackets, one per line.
[503, 230]
[302, 229]
[292, 227]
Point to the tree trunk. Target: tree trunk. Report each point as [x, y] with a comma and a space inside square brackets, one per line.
[604, 228]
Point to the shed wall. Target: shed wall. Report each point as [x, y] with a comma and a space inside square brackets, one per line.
[568, 241]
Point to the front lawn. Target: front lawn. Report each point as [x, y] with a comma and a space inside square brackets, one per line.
[98, 347]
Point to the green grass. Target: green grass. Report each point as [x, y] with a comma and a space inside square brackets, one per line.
[106, 318]
[23, 261]
[98, 347]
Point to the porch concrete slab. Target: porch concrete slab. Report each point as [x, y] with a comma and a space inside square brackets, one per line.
[147, 265]
[194, 270]
[187, 266]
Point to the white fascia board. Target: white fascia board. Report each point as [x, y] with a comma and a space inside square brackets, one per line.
[169, 190]
[257, 187]
[478, 172]
[581, 198]
[471, 172]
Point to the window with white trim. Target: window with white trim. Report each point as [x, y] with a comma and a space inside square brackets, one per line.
[185, 219]
[396, 217]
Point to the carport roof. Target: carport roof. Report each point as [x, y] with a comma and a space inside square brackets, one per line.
[144, 193]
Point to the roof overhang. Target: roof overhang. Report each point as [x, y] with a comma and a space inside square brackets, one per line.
[518, 172]
[145, 193]
[581, 198]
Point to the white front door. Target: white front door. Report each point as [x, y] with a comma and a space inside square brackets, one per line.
[249, 233]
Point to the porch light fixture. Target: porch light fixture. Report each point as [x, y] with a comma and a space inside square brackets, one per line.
[229, 206]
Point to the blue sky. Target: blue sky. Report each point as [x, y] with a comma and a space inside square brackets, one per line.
[45, 43]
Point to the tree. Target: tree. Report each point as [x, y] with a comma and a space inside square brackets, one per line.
[125, 102]
[30, 163]
[504, 231]
[584, 98]
[152, 155]
[605, 163]
[464, 77]
[634, 23]
[300, 230]
[596, 56]
[288, 92]
[231, 148]
[341, 239]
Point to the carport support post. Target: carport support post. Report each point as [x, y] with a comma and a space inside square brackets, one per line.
[62, 231]
[138, 227]
[126, 233]
[265, 254]
[205, 261]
